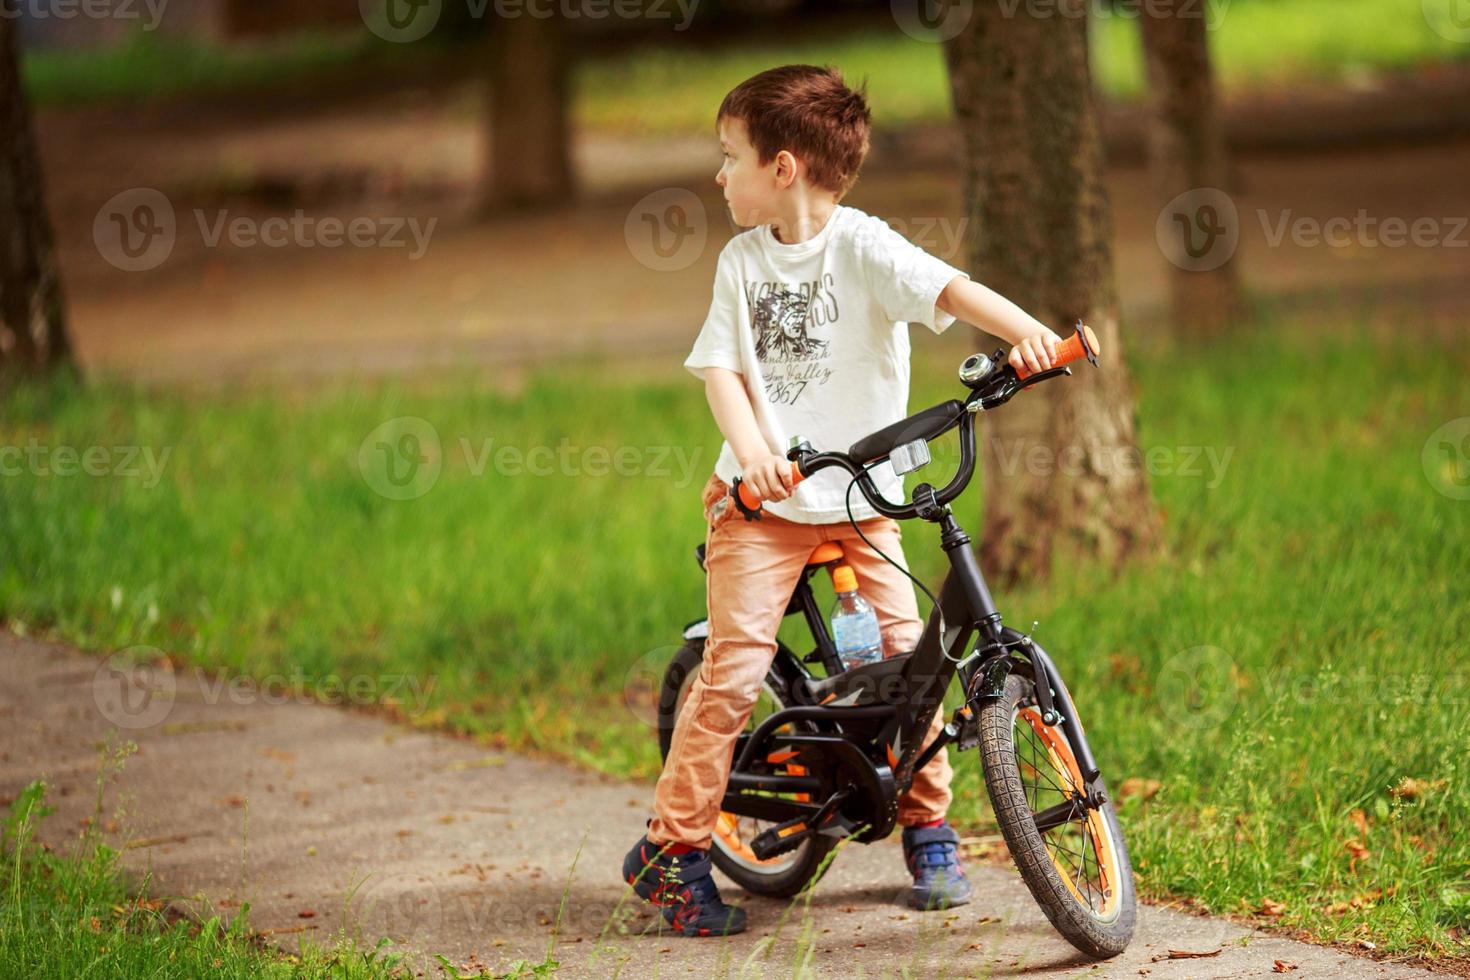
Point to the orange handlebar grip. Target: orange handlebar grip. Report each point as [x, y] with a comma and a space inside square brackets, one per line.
[750, 500]
[1072, 349]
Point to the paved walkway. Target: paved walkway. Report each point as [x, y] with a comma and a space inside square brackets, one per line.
[325, 818]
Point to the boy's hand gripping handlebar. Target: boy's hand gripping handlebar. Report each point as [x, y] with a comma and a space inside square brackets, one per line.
[748, 502]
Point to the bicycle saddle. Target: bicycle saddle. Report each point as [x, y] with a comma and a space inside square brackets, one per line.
[823, 554]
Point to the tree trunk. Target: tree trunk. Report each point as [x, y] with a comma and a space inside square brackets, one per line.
[1063, 472]
[1187, 154]
[528, 138]
[32, 311]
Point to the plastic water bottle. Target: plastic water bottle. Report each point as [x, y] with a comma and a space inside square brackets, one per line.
[854, 623]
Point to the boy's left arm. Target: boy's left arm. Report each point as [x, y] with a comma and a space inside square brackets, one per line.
[1034, 344]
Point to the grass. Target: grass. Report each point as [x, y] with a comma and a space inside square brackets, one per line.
[668, 86]
[65, 915]
[148, 66]
[1285, 688]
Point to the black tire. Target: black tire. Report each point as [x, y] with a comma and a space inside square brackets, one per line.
[788, 873]
[1097, 920]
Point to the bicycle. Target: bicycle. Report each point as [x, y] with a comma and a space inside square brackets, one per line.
[826, 758]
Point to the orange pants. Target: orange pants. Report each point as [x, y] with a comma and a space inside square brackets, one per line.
[752, 569]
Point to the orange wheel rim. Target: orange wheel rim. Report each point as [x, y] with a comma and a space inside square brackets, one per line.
[1064, 763]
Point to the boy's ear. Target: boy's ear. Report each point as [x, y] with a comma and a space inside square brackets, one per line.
[785, 169]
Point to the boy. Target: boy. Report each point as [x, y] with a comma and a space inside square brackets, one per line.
[807, 335]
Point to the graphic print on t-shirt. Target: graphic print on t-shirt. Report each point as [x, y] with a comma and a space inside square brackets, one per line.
[782, 319]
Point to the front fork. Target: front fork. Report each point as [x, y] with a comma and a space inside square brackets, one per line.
[988, 681]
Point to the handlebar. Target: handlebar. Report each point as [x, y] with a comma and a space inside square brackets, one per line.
[990, 385]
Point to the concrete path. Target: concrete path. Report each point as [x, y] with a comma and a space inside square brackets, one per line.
[325, 818]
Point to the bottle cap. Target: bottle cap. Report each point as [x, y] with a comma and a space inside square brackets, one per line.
[844, 579]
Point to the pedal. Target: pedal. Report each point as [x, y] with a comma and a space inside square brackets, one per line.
[780, 838]
[784, 836]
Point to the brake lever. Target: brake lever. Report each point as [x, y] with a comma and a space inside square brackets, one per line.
[1007, 385]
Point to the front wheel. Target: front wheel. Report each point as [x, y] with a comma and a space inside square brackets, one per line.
[1078, 871]
[785, 874]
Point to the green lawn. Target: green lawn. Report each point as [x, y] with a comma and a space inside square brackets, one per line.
[671, 86]
[1296, 657]
[65, 914]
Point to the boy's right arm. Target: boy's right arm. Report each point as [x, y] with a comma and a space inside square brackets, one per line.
[767, 473]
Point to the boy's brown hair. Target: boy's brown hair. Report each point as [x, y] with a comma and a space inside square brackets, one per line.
[809, 111]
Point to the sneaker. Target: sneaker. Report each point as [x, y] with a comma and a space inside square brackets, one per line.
[932, 854]
[682, 886]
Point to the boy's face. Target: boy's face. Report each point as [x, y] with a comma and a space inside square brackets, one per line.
[751, 190]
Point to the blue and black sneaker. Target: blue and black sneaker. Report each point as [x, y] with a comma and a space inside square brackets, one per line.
[682, 886]
[932, 854]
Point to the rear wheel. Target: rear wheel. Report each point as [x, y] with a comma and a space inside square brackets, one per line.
[785, 874]
[1077, 870]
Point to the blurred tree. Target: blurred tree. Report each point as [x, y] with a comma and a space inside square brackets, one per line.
[1061, 462]
[32, 311]
[1187, 151]
[528, 134]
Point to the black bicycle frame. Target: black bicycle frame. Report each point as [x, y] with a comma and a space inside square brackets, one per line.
[965, 611]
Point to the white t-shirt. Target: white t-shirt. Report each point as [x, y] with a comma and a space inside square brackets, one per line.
[819, 330]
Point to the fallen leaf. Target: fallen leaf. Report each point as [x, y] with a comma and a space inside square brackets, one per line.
[1283, 967]
[306, 914]
[1145, 789]
[1410, 788]
[1271, 908]
[1360, 820]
